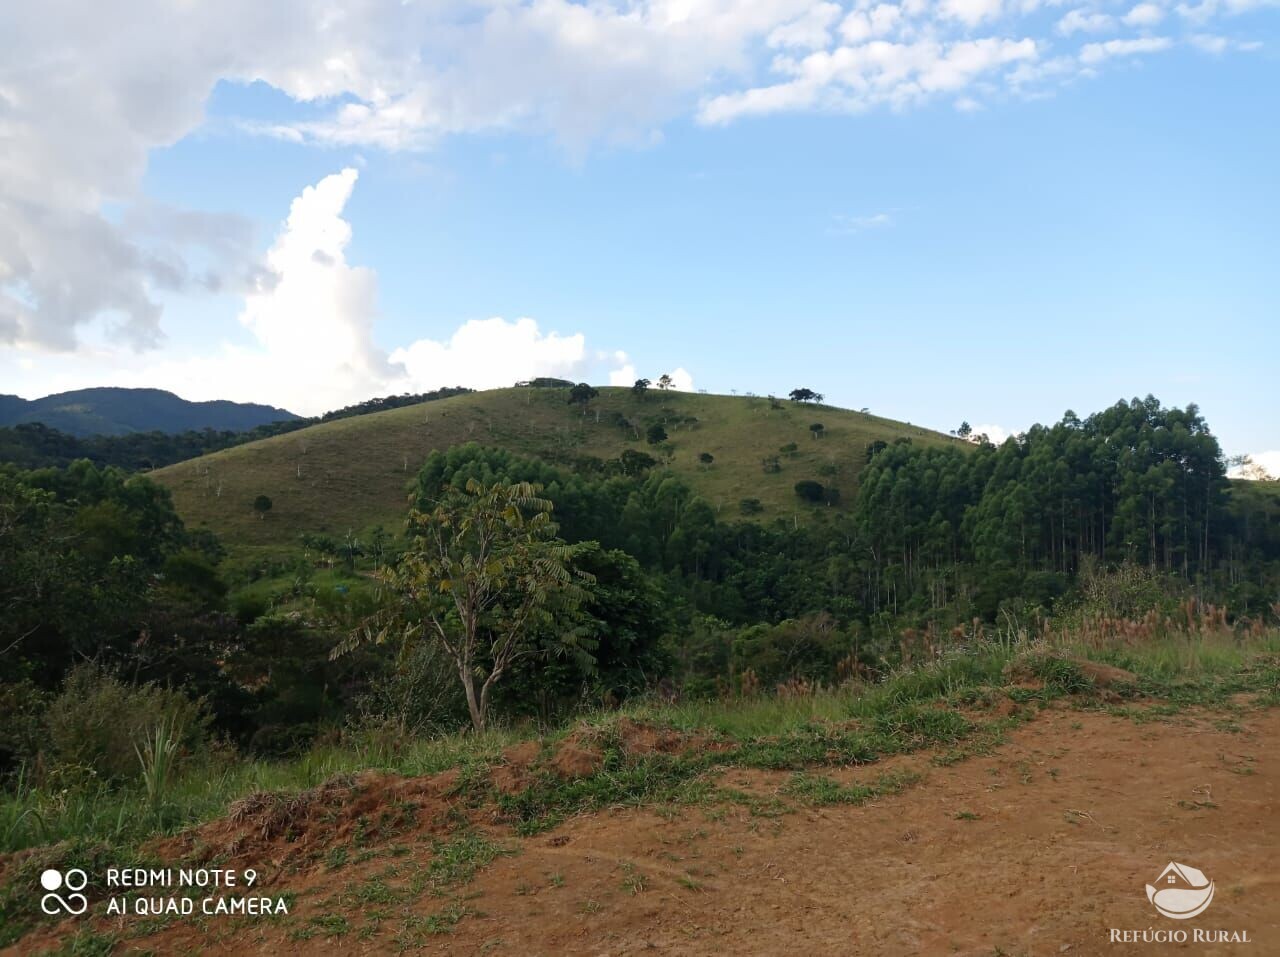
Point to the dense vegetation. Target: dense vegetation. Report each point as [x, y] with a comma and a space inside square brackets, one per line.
[597, 584]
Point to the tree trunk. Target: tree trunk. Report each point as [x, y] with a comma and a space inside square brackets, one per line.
[474, 706]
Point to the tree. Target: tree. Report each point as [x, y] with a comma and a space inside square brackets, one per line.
[655, 434]
[810, 490]
[706, 458]
[262, 505]
[483, 572]
[805, 395]
[582, 394]
[641, 388]
[818, 430]
[635, 462]
[965, 430]
[665, 382]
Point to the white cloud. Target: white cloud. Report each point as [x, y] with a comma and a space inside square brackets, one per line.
[1094, 53]
[996, 433]
[490, 353]
[1144, 15]
[88, 90]
[681, 380]
[971, 12]
[319, 313]
[878, 21]
[312, 328]
[880, 72]
[625, 373]
[1085, 21]
[809, 31]
[1260, 466]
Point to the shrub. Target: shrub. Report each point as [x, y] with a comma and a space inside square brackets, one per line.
[810, 490]
[98, 722]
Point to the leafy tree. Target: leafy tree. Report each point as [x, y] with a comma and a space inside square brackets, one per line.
[582, 394]
[665, 382]
[482, 573]
[641, 388]
[817, 430]
[262, 505]
[810, 490]
[750, 506]
[706, 458]
[635, 462]
[965, 430]
[805, 395]
[655, 434]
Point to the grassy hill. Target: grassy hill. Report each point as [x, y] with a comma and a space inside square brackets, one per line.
[352, 474]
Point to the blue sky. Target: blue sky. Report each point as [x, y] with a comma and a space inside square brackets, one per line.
[1068, 227]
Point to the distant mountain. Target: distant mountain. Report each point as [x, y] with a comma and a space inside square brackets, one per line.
[112, 411]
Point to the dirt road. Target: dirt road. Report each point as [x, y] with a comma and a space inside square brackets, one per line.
[1041, 847]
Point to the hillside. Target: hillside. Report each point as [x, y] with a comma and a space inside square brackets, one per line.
[113, 411]
[351, 474]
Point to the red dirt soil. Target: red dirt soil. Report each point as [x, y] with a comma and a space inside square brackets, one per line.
[1038, 848]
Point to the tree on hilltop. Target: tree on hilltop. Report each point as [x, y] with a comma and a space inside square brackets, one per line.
[582, 394]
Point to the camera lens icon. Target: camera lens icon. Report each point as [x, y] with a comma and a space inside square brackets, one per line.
[73, 880]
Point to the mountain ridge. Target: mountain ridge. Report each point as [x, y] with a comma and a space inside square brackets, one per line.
[116, 410]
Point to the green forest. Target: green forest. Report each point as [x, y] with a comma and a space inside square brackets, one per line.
[106, 594]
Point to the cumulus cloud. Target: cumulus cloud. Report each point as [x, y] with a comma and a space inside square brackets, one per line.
[1144, 15]
[809, 31]
[996, 433]
[1085, 21]
[87, 91]
[1258, 466]
[874, 73]
[489, 353]
[313, 336]
[1094, 53]
[319, 312]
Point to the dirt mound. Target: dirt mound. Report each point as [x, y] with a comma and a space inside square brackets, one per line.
[577, 757]
[1035, 671]
[288, 830]
[1104, 676]
[639, 737]
[515, 773]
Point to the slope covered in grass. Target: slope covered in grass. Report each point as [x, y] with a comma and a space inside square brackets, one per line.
[351, 474]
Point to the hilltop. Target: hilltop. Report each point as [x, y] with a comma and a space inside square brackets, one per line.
[352, 473]
[116, 411]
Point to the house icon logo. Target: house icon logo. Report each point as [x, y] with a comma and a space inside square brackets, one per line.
[1181, 892]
